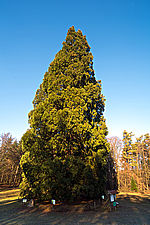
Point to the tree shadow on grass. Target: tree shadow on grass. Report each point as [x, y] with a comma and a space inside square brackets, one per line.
[8, 209]
[132, 210]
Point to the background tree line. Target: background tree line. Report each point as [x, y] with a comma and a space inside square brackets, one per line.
[131, 161]
[10, 155]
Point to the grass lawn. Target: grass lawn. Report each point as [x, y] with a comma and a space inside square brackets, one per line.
[134, 209]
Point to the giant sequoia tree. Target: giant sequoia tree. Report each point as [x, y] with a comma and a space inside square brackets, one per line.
[65, 149]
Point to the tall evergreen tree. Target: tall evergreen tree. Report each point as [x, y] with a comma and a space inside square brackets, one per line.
[65, 149]
[127, 157]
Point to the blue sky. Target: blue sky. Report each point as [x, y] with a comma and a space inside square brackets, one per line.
[118, 32]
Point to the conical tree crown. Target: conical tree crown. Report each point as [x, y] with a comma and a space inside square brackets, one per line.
[67, 126]
[70, 77]
[72, 66]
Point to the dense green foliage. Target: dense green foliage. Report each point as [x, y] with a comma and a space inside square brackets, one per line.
[65, 149]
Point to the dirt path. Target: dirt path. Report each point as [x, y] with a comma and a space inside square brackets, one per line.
[134, 209]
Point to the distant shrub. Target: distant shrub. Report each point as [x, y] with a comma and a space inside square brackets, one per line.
[133, 185]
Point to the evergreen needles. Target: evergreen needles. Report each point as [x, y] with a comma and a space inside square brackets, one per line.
[65, 149]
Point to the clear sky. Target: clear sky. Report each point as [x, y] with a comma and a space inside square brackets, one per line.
[118, 31]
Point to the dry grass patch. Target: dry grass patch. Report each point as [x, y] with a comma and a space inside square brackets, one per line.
[9, 195]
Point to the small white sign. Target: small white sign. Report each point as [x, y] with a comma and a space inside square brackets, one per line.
[102, 196]
[112, 198]
[53, 201]
[24, 200]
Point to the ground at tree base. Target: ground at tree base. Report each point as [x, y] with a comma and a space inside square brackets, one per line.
[134, 209]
